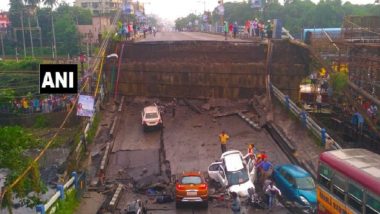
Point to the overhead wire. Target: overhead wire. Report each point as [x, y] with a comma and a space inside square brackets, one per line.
[42, 152]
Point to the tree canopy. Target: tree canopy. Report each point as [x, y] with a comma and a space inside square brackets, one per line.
[66, 18]
[295, 14]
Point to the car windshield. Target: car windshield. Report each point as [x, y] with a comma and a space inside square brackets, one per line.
[151, 115]
[237, 177]
[191, 180]
[305, 183]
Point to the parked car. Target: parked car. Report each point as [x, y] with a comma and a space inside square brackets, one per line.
[296, 185]
[136, 207]
[234, 172]
[151, 117]
[191, 187]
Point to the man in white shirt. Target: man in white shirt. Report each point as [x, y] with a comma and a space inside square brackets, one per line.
[272, 191]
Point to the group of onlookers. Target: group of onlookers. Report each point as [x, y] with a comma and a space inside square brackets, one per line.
[258, 28]
[254, 28]
[44, 104]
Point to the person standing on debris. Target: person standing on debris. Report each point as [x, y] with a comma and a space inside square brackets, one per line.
[264, 169]
[251, 151]
[174, 105]
[235, 205]
[223, 138]
[271, 192]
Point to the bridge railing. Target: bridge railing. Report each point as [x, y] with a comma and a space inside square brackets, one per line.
[75, 182]
[302, 115]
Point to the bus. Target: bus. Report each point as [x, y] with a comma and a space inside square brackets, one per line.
[348, 182]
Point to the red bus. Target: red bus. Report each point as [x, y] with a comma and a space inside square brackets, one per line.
[348, 182]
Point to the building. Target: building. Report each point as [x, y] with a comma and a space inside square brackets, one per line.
[4, 20]
[89, 33]
[98, 7]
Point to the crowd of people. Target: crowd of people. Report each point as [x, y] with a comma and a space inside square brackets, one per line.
[253, 28]
[264, 169]
[129, 30]
[45, 104]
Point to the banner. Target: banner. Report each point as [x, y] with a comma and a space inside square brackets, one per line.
[85, 107]
[221, 10]
[256, 4]
[128, 8]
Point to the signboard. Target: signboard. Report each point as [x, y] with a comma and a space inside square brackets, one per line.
[277, 31]
[85, 107]
[205, 18]
[220, 10]
[256, 4]
[128, 8]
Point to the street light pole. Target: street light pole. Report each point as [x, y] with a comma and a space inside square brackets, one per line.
[53, 31]
[2, 45]
[222, 15]
[22, 29]
[30, 36]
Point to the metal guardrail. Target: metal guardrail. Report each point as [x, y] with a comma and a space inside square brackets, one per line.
[308, 122]
[50, 205]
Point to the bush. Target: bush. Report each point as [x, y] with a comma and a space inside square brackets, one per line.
[22, 65]
[338, 81]
[94, 127]
[41, 122]
[70, 203]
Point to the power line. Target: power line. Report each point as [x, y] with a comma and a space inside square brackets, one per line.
[36, 159]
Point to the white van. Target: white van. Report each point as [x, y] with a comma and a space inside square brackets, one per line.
[235, 172]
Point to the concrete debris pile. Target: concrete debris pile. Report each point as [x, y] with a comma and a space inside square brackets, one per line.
[224, 107]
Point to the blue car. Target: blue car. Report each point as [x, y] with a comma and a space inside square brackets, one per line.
[296, 185]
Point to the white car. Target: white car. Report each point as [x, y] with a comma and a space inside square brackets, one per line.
[151, 117]
[234, 172]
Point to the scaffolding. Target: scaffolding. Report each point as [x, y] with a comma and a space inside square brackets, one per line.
[358, 49]
[361, 36]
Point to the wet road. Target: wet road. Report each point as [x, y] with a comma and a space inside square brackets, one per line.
[180, 36]
[191, 143]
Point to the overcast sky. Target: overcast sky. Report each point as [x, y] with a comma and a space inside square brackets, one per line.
[171, 9]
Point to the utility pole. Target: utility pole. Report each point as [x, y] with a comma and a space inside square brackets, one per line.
[222, 14]
[30, 32]
[53, 31]
[2, 45]
[39, 30]
[22, 29]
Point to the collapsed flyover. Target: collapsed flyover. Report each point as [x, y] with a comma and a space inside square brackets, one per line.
[209, 69]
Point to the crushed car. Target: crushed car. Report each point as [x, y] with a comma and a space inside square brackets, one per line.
[234, 172]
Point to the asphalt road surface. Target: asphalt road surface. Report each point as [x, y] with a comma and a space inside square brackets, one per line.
[180, 36]
[191, 143]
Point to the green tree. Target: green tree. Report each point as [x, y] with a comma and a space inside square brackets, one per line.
[67, 37]
[14, 141]
[51, 4]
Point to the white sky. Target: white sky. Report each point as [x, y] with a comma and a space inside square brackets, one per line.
[172, 9]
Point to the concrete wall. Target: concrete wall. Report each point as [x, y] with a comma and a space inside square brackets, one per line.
[30, 120]
[198, 69]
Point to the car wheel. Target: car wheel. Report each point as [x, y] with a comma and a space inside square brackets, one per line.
[178, 204]
[205, 204]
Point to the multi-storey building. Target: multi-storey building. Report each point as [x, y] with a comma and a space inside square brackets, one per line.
[99, 7]
[4, 20]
